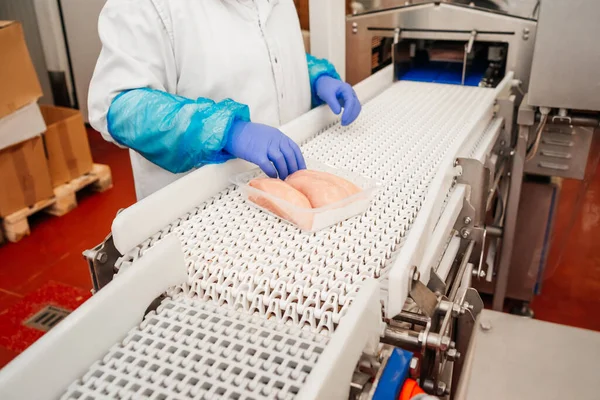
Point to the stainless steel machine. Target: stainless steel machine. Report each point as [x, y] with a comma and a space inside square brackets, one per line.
[198, 295]
[476, 43]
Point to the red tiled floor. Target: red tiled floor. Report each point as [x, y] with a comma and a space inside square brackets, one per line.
[571, 287]
[7, 300]
[15, 336]
[53, 251]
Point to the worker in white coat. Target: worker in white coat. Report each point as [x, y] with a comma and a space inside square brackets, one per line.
[187, 83]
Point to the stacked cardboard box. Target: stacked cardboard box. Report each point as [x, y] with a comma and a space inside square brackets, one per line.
[40, 148]
[67, 147]
[24, 176]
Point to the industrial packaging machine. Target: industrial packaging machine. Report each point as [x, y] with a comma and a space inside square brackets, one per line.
[199, 295]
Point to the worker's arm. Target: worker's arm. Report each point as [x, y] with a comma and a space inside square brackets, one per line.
[174, 132]
[327, 87]
[130, 101]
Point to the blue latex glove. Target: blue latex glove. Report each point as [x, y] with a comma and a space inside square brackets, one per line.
[265, 146]
[338, 94]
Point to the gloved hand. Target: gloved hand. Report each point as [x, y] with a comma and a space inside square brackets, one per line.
[338, 94]
[265, 146]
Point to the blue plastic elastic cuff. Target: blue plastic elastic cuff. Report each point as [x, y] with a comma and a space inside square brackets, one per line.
[318, 67]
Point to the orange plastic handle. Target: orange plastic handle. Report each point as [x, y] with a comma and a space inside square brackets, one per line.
[410, 390]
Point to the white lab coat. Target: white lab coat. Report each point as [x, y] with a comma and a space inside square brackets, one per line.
[251, 51]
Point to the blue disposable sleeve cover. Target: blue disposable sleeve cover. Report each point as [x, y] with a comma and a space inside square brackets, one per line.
[174, 132]
[318, 67]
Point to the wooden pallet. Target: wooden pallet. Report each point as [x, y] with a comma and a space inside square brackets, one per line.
[16, 226]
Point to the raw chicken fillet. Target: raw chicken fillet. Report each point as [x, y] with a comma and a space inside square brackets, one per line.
[283, 191]
[303, 189]
[321, 188]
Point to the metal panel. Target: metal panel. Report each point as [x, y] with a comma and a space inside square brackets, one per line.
[519, 8]
[513, 357]
[531, 239]
[566, 61]
[510, 222]
[441, 22]
[563, 152]
[531, 242]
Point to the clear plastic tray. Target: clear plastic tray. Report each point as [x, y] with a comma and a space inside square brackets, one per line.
[312, 219]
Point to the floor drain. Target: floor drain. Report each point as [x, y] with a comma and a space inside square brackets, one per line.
[47, 318]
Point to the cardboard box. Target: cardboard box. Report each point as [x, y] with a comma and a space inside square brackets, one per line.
[19, 84]
[67, 146]
[24, 177]
[22, 125]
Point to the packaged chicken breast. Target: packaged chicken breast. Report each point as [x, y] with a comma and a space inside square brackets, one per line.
[311, 199]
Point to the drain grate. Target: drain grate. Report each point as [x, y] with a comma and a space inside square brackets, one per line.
[47, 318]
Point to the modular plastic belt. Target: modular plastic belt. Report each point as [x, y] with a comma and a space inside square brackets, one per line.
[245, 265]
[249, 260]
[191, 349]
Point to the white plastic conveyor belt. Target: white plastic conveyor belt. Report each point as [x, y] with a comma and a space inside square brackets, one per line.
[187, 348]
[239, 256]
[190, 349]
[262, 299]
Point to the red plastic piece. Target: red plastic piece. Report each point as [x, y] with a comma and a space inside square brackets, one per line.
[410, 390]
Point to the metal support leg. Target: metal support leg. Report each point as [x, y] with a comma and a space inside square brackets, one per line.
[512, 207]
